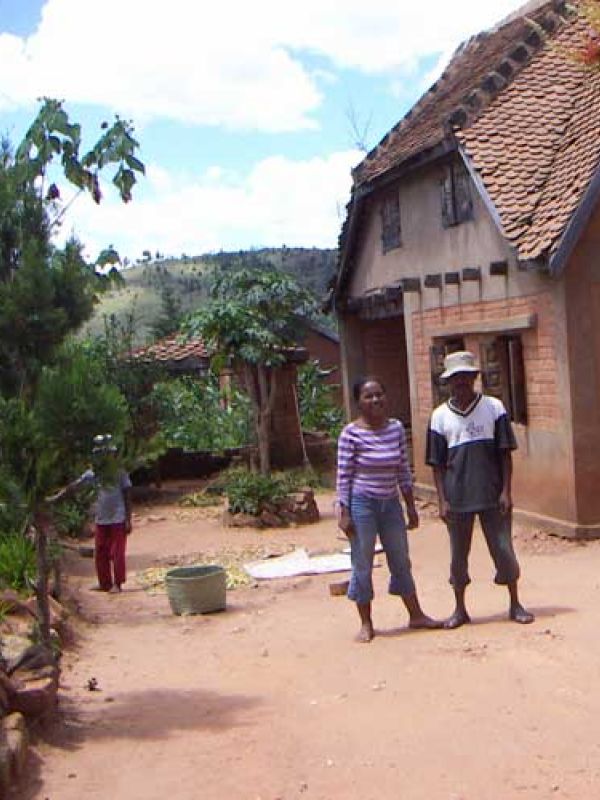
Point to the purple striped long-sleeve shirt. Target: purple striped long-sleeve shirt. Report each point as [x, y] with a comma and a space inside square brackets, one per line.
[372, 462]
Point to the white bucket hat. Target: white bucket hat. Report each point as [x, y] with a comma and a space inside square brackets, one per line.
[462, 361]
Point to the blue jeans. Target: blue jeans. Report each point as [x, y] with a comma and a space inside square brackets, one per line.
[372, 516]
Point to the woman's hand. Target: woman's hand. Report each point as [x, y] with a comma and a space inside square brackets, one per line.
[444, 510]
[413, 517]
[345, 521]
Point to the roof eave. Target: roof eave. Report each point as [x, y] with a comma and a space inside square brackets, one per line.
[483, 193]
[575, 227]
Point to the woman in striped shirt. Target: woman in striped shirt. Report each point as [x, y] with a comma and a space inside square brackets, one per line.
[372, 465]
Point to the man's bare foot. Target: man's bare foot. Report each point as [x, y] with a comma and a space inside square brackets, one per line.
[521, 615]
[98, 588]
[116, 589]
[365, 634]
[457, 619]
[425, 623]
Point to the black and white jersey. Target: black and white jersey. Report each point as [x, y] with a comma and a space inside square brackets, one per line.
[469, 445]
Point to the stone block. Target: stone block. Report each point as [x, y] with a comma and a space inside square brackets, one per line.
[31, 657]
[5, 762]
[270, 520]
[16, 736]
[36, 697]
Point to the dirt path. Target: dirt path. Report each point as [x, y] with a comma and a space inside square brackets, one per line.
[273, 700]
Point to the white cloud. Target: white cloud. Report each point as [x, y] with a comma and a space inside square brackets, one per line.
[235, 64]
[280, 201]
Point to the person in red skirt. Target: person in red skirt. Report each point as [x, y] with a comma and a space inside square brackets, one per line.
[112, 512]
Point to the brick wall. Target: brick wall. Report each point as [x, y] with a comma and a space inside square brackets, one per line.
[539, 350]
[384, 344]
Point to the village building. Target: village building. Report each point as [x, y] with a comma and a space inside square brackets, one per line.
[315, 342]
[475, 224]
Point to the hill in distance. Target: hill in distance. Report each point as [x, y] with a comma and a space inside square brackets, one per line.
[141, 295]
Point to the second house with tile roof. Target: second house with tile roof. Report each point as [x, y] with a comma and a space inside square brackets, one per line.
[475, 224]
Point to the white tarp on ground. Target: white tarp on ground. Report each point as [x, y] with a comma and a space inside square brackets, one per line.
[298, 563]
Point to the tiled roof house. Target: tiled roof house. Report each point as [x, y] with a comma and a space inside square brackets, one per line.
[476, 223]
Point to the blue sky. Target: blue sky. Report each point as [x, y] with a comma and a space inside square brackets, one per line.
[243, 110]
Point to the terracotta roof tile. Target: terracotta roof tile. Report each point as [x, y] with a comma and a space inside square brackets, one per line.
[172, 349]
[535, 140]
[556, 131]
[472, 75]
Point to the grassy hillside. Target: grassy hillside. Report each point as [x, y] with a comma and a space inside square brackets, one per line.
[145, 283]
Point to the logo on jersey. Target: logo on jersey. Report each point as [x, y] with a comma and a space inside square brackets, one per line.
[475, 431]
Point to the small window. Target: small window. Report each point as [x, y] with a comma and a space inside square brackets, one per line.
[457, 203]
[503, 374]
[437, 353]
[390, 222]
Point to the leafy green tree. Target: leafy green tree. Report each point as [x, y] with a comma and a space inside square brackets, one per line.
[319, 410]
[252, 319]
[194, 416]
[45, 294]
[114, 354]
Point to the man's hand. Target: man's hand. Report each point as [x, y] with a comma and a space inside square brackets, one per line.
[505, 503]
[413, 517]
[444, 510]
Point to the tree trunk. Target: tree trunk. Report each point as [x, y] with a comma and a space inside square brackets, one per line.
[264, 443]
[261, 385]
[41, 589]
[252, 390]
[267, 387]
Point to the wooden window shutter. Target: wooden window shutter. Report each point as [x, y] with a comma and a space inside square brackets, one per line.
[518, 391]
[446, 196]
[390, 222]
[494, 370]
[439, 391]
[463, 201]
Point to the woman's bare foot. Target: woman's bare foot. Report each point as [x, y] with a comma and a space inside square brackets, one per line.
[365, 634]
[521, 615]
[425, 623]
[457, 619]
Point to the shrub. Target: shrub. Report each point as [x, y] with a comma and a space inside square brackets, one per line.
[249, 492]
[71, 516]
[17, 562]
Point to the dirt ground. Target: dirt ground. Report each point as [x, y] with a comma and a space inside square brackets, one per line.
[272, 699]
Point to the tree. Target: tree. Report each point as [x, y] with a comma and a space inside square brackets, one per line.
[589, 52]
[47, 390]
[252, 319]
[170, 316]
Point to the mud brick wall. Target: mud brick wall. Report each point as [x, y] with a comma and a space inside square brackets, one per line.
[539, 350]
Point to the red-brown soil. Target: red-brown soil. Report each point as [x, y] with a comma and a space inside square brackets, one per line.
[272, 699]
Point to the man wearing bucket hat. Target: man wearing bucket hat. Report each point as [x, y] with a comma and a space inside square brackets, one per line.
[469, 445]
[112, 512]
